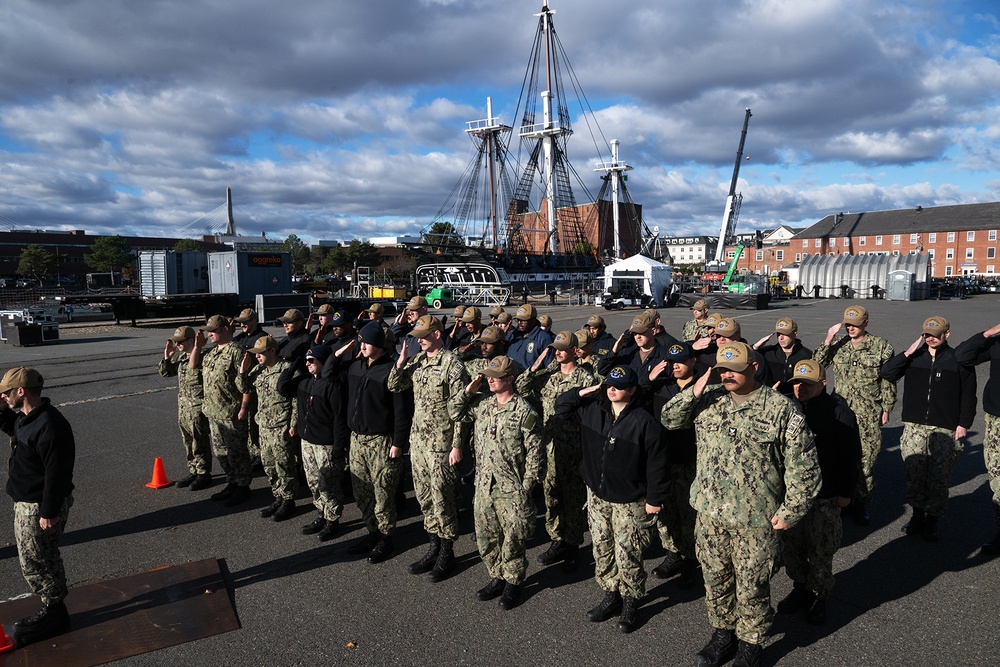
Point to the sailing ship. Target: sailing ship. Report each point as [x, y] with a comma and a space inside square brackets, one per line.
[512, 222]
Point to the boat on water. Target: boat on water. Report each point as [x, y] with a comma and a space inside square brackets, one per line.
[513, 221]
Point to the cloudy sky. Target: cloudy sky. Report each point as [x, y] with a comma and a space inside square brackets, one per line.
[338, 119]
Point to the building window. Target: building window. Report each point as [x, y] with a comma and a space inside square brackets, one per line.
[805, 243]
[930, 253]
[861, 240]
[760, 256]
[913, 239]
[798, 257]
[779, 255]
[878, 240]
[819, 242]
[730, 254]
[833, 243]
[932, 238]
[993, 235]
[895, 239]
[895, 252]
[968, 253]
[947, 270]
[951, 237]
[991, 253]
[949, 253]
[970, 236]
[989, 268]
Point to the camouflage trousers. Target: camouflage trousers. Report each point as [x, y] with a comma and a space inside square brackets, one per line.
[38, 551]
[253, 434]
[374, 478]
[323, 477]
[564, 491]
[435, 483]
[279, 462]
[229, 444]
[869, 418]
[809, 547]
[675, 522]
[929, 455]
[737, 564]
[620, 533]
[991, 454]
[197, 440]
[504, 522]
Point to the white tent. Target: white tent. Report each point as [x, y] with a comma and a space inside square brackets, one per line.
[644, 274]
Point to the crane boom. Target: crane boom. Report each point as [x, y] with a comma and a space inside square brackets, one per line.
[733, 200]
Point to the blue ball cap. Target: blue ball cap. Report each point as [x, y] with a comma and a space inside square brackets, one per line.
[621, 377]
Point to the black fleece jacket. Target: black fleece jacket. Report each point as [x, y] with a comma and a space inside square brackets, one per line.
[936, 391]
[40, 469]
[624, 459]
[838, 444]
[978, 350]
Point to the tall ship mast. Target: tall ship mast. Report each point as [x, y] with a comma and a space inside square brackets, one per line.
[531, 224]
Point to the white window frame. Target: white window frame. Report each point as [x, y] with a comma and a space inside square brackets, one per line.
[878, 240]
[779, 255]
[991, 252]
[951, 237]
[932, 237]
[992, 235]
[861, 240]
[819, 243]
[895, 239]
[949, 253]
[948, 270]
[970, 236]
[759, 256]
[914, 239]
[970, 253]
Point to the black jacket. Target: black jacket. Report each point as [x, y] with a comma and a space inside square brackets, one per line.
[40, 469]
[322, 410]
[624, 460]
[838, 444]
[681, 443]
[629, 356]
[780, 367]
[937, 392]
[293, 348]
[371, 408]
[978, 350]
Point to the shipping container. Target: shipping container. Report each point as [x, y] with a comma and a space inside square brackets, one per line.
[168, 272]
[248, 274]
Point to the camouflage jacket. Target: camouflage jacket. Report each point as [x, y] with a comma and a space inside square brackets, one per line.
[856, 372]
[434, 380]
[591, 363]
[273, 409]
[190, 392]
[507, 439]
[755, 460]
[543, 386]
[692, 330]
[220, 366]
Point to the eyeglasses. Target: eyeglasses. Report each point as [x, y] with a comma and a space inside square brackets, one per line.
[310, 360]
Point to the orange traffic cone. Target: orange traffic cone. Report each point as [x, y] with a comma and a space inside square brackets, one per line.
[159, 480]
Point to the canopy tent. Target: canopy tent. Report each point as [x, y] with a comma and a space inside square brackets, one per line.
[638, 272]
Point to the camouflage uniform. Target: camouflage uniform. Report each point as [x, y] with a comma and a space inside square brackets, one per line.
[929, 454]
[856, 378]
[507, 439]
[675, 522]
[433, 435]
[276, 414]
[375, 478]
[694, 330]
[591, 363]
[756, 460]
[563, 487]
[811, 544]
[192, 423]
[620, 533]
[220, 368]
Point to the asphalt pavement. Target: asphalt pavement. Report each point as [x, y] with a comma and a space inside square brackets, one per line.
[897, 600]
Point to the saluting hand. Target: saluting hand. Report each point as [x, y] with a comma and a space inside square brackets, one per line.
[701, 383]
[199, 339]
[621, 341]
[763, 340]
[832, 331]
[403, 355]
[657, 369]
[540, 361]
[701, 343]
[588, 391]
[346, 348]
[168, 349]
[473, 387]
[992, 331]
[917, 344]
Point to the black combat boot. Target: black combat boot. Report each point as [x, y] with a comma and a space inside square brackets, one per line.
[492, 590]
[555, 553]
[930, 529]
[240, 495]
[916, 523]
[49, 621]
[816, 613]
[229, 490]
[445, 563]
[748, 655]
[202, 481]
[799, 598]
[690, 574]
[270, 509]
[426, 563]
[670, 566]
[286, 510]
[630, 614]
[511, 597]
[610, 606]
[993, 548]
[329, 531]
[719, 649]
[314, 526]
[187, 481]
[364, 545]
[382, 550]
